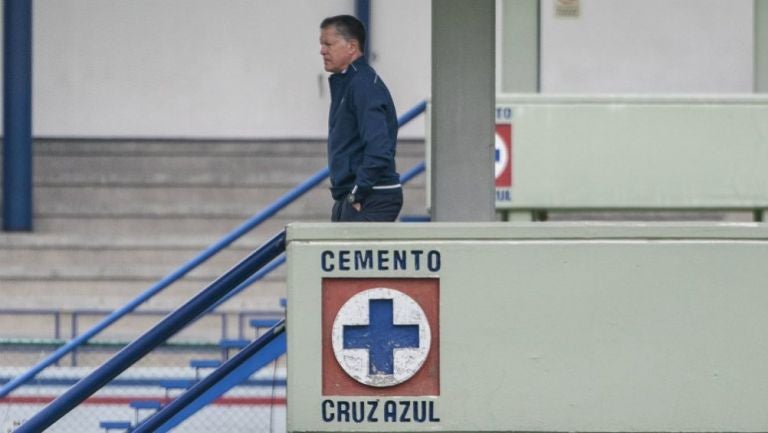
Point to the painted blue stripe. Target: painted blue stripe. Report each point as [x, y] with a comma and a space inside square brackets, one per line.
[142, 382]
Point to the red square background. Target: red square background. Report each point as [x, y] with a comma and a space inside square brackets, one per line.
[425, 291]
[504, 130]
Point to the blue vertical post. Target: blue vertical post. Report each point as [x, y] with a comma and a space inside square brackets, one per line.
[17, 115]
[363, 13]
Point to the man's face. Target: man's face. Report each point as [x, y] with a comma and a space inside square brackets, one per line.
[337, 52]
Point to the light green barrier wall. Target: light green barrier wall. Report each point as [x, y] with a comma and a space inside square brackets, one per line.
[556, 328]
[637, 152]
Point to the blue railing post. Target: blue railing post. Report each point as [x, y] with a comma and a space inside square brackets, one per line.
[161, 332]
[17, 115]
[363, 13]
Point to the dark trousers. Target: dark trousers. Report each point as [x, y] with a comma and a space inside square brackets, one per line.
[380, 205]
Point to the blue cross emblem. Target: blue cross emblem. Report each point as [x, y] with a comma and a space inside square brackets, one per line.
[381, 337]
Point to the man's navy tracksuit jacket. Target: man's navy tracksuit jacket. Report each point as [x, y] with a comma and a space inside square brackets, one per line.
[362, 132]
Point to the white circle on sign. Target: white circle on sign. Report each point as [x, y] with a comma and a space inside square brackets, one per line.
[383, 350]
[502, 159]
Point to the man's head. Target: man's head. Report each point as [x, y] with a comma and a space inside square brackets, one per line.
[342, 39]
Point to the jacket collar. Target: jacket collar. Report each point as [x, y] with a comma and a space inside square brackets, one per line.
[353, 67]
[357, 64]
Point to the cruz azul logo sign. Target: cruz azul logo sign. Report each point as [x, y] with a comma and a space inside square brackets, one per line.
[503, 153]
[380, 337]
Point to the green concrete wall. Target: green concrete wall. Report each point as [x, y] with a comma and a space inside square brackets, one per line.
[592, 152]
[519, 46]
[588, 152]
[761, 46]
[556, 328]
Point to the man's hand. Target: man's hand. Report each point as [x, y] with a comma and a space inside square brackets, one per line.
[357, 206]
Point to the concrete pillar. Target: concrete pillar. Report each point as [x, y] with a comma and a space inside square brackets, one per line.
[519, 46]
[463, 101]
[761, 46]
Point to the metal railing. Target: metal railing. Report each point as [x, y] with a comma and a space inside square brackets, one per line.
[187, 267]
[74, 318]
[203, 256]
[157, 335]
[229, 374]
[404, 178]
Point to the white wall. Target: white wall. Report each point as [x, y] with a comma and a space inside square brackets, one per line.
[401, 33]
[204, 68]
[649, 46]
[251, 68]
[233, 68]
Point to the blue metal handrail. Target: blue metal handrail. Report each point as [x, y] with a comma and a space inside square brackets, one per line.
[161, 332]
[204, 255]
[413, 172]
[274, 264]
[154, 422]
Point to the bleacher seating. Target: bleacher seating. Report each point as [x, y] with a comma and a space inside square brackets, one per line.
[113, 217]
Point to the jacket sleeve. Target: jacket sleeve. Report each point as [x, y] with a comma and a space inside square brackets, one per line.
[372, 106]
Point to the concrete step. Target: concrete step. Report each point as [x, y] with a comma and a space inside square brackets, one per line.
[112, 217]
[266, 147]
[114, 293]
[121, 230]
[100, 234]
[231, 202]
[193, 163]
[284, 171]
[112, 263]
[166, 201]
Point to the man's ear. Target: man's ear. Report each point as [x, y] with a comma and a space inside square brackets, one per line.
[355, 44]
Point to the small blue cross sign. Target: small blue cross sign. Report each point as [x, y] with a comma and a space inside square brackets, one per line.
[381, 337]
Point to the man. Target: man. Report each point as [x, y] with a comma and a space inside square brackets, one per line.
[362, 128]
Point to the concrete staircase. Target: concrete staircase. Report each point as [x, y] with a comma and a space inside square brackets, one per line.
[112, 217]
